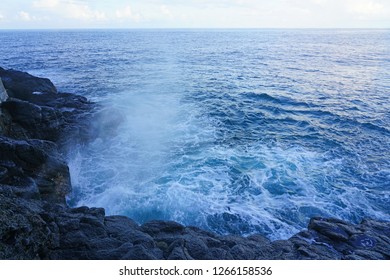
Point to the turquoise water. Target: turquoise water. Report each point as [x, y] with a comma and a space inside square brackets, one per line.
[234, 131]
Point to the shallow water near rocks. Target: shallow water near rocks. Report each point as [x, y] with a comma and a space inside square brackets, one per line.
[234, 131]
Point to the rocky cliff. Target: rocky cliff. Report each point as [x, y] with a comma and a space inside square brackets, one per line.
[35, 223]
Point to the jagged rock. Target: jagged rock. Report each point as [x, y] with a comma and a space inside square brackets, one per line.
[22, 85]
[329, 229]
[179, 253]
[33, 165]
[197, 248]
[36, 110]
[155, 227]
[240, 252]
[23, 233]
[139, 252]
[42, 122]
[3, 92]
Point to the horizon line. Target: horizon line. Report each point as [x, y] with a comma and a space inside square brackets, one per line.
[194, 28]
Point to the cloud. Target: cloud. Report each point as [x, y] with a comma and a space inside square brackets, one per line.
[70, 9]
[46, 3]
[22, 15]
[369, 12]
[124, 13]
[366, 8]
[319, 2]
[83, 12]
[166, 12]
[199, 13]
[127, 13]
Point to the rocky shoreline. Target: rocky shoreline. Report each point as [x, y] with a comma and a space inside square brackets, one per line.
[35, 223]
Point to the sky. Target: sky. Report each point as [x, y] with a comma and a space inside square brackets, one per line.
[55, 14]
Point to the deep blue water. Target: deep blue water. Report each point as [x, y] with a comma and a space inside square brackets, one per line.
[235, 131]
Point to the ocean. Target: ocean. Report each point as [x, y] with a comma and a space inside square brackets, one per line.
[233, 131]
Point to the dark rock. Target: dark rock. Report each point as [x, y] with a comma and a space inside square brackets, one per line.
[331, 230]
[279, 250]
[117, 252]
[259, 239]
[118, 224]
[179, 253]
[155, 227]
[66, 225]
[3, 92]
[105, 244]
[22, 85]
[41, 122]
[138, 252]
[139, 237]
[36, 110]
[196, 248]
[232, 240]
[363, 241]
[307, 253]
[125, 229]
[377, 226]
[23, 233]
[74, 239]
[240, 252]
[364, 255]
[21, 160]
[369, 241]
[219, 254]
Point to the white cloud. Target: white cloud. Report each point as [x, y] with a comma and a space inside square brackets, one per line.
[166, 12]
[83, 12]
[366, 8]
[46, 3]
[70, 9]
[199, 13]
[124, 13]
[127, 13]
[25, 16]
[319, 2]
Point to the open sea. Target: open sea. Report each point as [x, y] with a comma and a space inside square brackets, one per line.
[233, 131]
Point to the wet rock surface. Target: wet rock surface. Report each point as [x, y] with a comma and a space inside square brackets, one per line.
[36, 223]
